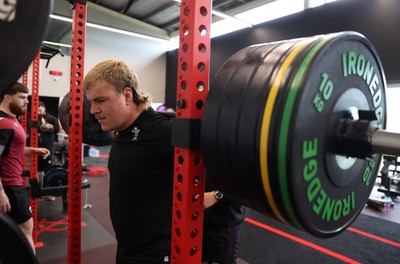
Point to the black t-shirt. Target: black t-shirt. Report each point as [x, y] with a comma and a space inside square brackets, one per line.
[141, 179]
[226, 211]
[47, 138]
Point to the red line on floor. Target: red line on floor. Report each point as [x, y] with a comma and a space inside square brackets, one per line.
[384, 240]
[301, 241]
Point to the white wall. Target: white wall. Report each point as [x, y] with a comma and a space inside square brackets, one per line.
[146, 57]
[393, 108]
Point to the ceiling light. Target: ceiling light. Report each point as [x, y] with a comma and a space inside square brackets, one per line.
[116, 30]
[57, 44]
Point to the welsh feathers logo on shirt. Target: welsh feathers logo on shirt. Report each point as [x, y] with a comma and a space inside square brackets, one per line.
[135, 132]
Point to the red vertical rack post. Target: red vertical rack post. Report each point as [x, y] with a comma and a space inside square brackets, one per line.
[75, 132]
[192, 88]
[34, 136]
[23, 117]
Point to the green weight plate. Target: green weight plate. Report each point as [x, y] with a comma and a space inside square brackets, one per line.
[328, 191]
[303, 46]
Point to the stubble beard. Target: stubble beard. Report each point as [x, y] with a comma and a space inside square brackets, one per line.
[16, 109]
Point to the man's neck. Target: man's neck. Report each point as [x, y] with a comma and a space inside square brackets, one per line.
[6, 110]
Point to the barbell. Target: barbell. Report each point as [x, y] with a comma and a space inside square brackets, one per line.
[294, 129]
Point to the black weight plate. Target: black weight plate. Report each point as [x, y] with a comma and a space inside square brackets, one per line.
[48, 168]
[92, 133]
[57, 176]
[210, 123]
[228, 140]
[23, 25]
[328, 194]
[255, 182]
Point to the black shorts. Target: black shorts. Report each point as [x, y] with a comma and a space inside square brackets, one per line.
[220, 243]
[20, 205]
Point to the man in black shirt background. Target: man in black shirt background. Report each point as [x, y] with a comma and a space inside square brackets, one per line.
[223, 219]
[48, 129]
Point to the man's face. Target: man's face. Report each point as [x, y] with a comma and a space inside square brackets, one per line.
[18, 103]
[108, 106]
[42, 110]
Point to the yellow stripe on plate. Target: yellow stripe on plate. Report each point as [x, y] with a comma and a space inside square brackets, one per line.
[265, 126]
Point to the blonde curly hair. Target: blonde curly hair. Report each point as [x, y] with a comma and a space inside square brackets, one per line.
[120, 76]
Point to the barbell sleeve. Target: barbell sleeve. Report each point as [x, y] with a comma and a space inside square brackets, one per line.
[385, 142]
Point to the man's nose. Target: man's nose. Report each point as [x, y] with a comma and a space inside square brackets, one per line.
[93, 109]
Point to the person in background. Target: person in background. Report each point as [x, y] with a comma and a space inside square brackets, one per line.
[223, 218]
[14, 198]
[140, 163]
[48, 129]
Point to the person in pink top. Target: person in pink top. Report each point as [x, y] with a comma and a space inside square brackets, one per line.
[14, 198]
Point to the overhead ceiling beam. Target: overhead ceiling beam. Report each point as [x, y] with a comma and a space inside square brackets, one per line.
[127, 6]
[171, 22]
[234, 11]
[158, 10]
[102, 16]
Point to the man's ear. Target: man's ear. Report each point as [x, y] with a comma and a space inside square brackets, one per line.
[7, 97]
[127, 93]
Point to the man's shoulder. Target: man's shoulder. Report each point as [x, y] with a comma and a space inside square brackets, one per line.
[5, 122]
[3, 114]
[49, 116]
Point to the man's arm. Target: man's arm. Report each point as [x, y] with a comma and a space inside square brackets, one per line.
[39, 151]
[4, 202]
[209, 199]
[5, 136]
[56, 126]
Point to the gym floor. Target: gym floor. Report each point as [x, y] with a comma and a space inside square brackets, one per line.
[373, 238]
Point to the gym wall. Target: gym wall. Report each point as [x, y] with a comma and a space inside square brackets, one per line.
[393, 108]
[146, 57]
[378, 20]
